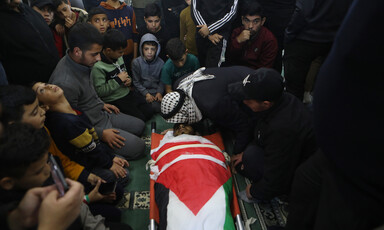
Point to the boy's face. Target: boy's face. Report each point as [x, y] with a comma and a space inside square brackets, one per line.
[47, 94]
[153, 23]
[45, 11]
[64, 11]
[34, 115]
[35, 175]
[253, 23]
[114, 54]
[149, 52]
[100, 21]
[180, 63]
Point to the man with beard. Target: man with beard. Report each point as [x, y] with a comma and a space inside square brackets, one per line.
[252, 44]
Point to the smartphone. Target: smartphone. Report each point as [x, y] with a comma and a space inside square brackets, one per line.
[57, 176]
[106, 188]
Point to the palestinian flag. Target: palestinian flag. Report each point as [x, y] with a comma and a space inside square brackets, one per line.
[193, 187]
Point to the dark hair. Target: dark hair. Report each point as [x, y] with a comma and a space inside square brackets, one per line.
[175, 49]
[20, 146]
[94, 11]
[152, 9]
[83, 35]
[252, 9]
[57, 3]
[13, 99]
[151, 43]
[114, 39]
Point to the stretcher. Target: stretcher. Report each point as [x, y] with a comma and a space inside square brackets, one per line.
[154, 210]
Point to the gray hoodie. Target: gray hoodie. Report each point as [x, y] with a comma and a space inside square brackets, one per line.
[146, 75]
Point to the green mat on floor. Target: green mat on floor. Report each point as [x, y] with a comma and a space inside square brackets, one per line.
[135, 204]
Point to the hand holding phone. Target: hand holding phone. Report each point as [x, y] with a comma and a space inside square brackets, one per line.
[57, 176]
[107, 188]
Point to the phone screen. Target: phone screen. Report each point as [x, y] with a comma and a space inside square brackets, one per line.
[58, 176]
[106, 188]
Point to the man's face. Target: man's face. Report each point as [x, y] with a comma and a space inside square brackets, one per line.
[34, 115]
[35, 175]
[45, 11]
[256, 106]
[180, 63]
[91, 56]
[149, 52]
[64, 11]
[188, 2]
[153, 23]
[253, 23]
[100, 21]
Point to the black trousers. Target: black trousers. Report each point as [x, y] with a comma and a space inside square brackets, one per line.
[134, 104]
[298, 56]
[210, 55]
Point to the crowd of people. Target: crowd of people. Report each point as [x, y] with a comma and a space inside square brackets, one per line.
[79, 85]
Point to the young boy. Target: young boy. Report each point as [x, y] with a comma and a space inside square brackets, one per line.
[45, 8]
[152, 19]
[112, 82]
[122, 17]
[99, 19]
[20, 104]
[180, 62]
[146, 71]
[67, 17]
[252, 44]
[24, 165]
[188, 29]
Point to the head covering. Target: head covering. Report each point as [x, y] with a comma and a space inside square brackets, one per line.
[41, 3]
[176, 107]
[179, 106]
[263, 85]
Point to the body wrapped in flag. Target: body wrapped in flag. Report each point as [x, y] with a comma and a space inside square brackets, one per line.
[193, 188]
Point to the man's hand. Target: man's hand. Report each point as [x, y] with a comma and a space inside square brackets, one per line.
[149, 98]
[158, 97]
[60, 29]
[215, 38]
[59, 212]
[118, 170]
[245, 35]
[235, 160]
[203, 31]
[120, 161]
[109, 108]
[112, 138]
[69, 22]
[92, 179]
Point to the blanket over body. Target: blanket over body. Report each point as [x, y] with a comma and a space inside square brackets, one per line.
[193, 187]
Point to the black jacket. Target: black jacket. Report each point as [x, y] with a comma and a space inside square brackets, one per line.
[27, 47]
[285, 133]
[220, 100]
[316, 20]
[217, 15]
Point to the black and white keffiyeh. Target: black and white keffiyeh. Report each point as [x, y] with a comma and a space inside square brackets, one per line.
[179, 106]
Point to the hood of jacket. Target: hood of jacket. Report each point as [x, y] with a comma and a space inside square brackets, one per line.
[146, 38]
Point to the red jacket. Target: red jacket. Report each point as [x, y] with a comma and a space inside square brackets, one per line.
[259, 52]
